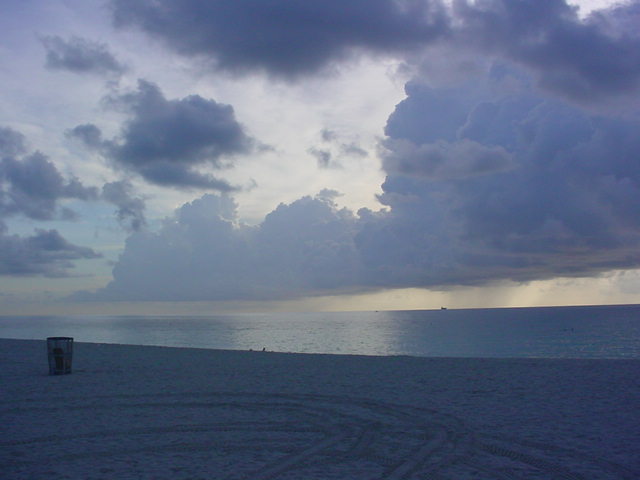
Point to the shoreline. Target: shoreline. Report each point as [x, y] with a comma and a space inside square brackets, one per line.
[364, 355]
[173, 412]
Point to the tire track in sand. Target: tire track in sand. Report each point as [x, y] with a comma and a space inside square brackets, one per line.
[295, 435]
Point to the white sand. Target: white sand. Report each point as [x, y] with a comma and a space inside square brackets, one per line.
[166, 413]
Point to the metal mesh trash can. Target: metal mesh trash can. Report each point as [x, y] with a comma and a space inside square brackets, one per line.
[60, 350]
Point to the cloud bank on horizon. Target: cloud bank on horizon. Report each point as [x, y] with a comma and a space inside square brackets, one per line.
[514, 155]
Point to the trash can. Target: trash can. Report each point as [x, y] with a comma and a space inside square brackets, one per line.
[60, 350]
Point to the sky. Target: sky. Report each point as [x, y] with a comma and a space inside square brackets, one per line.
[178, 156]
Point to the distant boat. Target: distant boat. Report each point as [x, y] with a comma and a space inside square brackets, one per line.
[443, 308]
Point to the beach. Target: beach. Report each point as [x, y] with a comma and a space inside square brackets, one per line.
[178, 413]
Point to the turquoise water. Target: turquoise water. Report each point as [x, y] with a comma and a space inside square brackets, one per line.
[553, 332]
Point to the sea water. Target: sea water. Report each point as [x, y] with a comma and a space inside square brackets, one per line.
[550, 332]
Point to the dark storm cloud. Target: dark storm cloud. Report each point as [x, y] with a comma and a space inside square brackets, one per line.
[130, 211]
[567, 204]
[284, 37]
[583, 60]
[33, 186]
[45, 253]
[80, 55]
[165, 141]
[620, 19]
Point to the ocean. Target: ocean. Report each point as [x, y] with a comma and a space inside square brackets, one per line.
[540, 332]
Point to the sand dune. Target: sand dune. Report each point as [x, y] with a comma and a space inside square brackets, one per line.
[167, 413]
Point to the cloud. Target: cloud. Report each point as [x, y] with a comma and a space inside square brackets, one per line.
[12, 143]
[45, 253]
[500, 163]
[335, 148]
[130, 211]
[89, 135]
[283, 37]
[203, 253]
[581, 60]
[444, 160]
[33, 186]
[551, 212]
[328, 135]
[307, 247]
[80, 55]
[586, 60]
[441, 112]
[323, 157]
[618, 20]
[165, 141]
[484, 184]
[353, 150]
